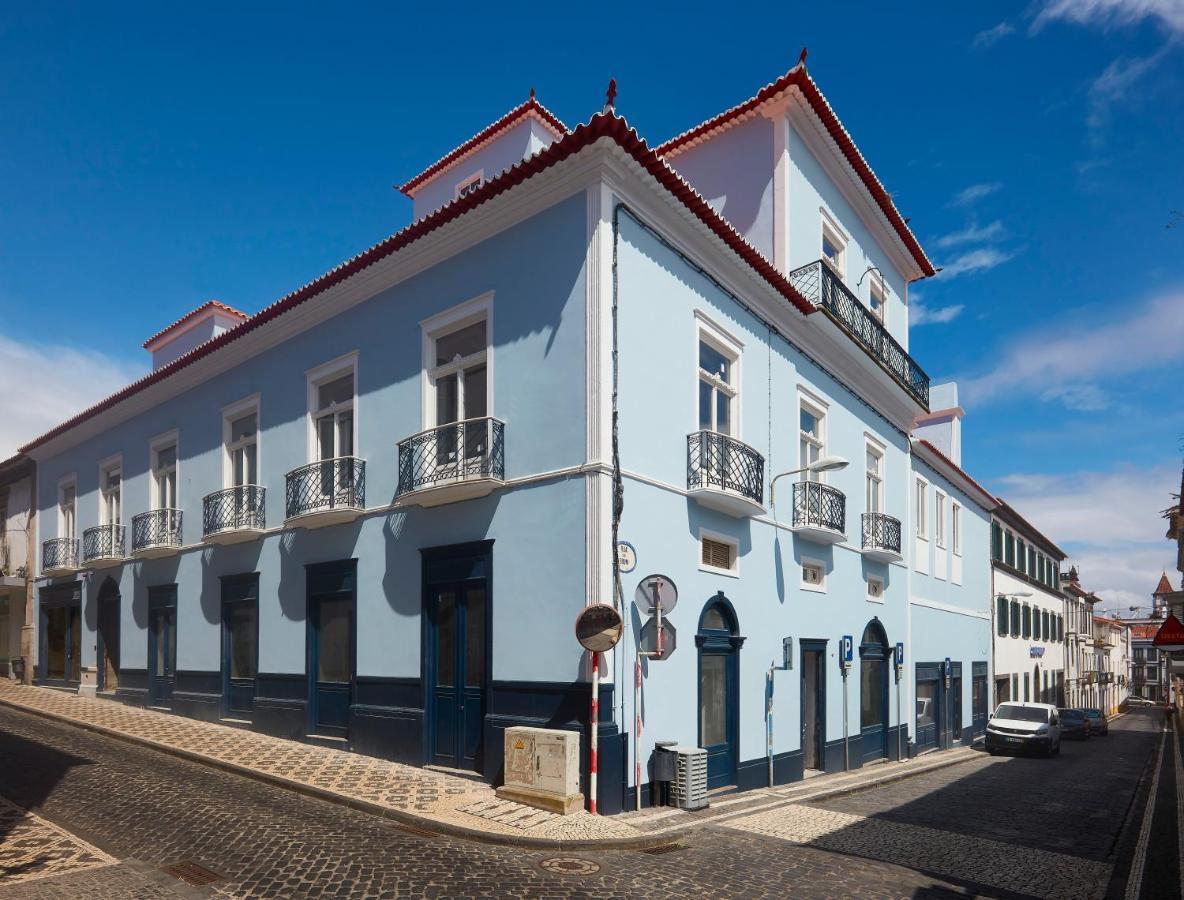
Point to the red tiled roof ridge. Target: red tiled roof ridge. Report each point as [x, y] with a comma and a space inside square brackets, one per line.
[209, 304]
[800, 78]
[531, 105]
[602, 125]
[957, 468]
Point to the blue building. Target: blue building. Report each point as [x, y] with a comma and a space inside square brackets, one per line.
[369, 514]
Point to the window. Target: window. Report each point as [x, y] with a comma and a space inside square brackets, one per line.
[1009, 555]
[921, 511]
[333, 417]
[164, 475]
[834, 246]
[1031, 561]
[470, 184]
[1021, 554]
[1027, 622]
[877, 298]
[67, 512]
[1015, 618]
[242, 448]
[111, 494]
[939, 518]
[956, 528]
[996, 542]
[717, 387]
[1040, 576]
[1044, 627]
[811, 438]
[875, 479]
[1001, 616]
[1138, 652]
[813, 576]
[459, 372]
[717, 554]
[875, 589]
[1152, 654]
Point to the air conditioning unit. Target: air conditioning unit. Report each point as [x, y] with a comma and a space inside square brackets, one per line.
[688, 790]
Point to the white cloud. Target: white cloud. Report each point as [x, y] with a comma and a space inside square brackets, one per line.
[1105, 14]
[972, 234]
[47, 384]
[975, 192]
[989, 38]
[979, 260]
[1107, 521]
[1068, 358]
[1112, 87]
[919, 314]
[1079, 397]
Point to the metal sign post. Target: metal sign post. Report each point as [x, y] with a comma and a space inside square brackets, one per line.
[899, 660]
[655, 594]
[846, 654]
[598, 628]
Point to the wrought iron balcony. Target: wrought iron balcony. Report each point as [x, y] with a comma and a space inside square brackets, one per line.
[326, 492]
[234, 514]
[725, 474]
[59, 556]
[457, 461]
[819, 284]
[819, 512]
[103, 545]
[156, 532]
[881, 537]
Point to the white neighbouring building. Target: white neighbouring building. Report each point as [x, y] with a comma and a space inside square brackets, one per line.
[1080, 657]
[1028, 610]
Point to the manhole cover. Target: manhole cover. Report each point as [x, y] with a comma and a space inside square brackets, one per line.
[191, 873]
[569, 865]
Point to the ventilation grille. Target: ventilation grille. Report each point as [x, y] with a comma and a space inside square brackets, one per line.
[717, 554]
[689, 788]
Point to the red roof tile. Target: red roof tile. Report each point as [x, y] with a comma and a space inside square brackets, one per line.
[531, 106]
[605, 125]
[1164, 586]
[992, 500]
[798, 77]
[189, 316]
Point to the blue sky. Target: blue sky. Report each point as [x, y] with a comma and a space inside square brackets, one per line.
[151, 158]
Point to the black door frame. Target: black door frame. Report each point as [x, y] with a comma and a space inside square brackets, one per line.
[56, 597]
[817, 645]
[873, 652]
[442, 566]
[108, 595]
[320, 581]
[244, 589]
[161, 596]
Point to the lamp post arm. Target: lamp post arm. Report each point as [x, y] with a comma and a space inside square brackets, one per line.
[773, 483]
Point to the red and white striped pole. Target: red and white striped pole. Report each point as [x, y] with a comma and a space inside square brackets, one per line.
[637, 735]
[595, 731]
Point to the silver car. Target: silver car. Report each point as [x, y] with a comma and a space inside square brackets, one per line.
[1024, 726]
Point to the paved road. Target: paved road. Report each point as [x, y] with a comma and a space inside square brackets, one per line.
[984, 828]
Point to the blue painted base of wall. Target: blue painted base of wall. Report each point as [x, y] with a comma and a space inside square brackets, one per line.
[198, 695]
[133, 687]
[386, 719]
[281, 705]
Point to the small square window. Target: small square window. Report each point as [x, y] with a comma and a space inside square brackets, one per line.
[875, 589]
[813, 576]
[717, 555]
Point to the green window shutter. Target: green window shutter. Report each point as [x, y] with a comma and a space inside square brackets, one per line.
[996, 542]
[1001, 615]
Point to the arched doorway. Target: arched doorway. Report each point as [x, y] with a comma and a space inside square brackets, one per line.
[108, 636]
[719, 685]
[873, 691]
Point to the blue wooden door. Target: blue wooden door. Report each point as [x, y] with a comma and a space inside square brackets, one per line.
[331, 618]
[813, 705]
[457, 615]
[979, 703]
[162, 644]
[873, 692]
[240, 645]
[719, 677]
[930, 699]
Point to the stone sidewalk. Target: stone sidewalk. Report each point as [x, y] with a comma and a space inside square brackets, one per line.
[426, 799]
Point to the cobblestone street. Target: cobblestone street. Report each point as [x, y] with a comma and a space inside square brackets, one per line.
[988, 827]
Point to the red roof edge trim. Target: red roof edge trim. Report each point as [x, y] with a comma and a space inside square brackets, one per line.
[603, 125]
[531, 105]
[797, 76]
[209, 304]
[992, 500]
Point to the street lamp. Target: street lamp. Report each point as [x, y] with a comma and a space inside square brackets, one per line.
[825, 464]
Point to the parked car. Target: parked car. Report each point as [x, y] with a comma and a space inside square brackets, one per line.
[1074, 724]
[1140, 701]
[1024, 726]
[1097, 722]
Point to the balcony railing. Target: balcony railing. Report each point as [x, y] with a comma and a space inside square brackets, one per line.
[240, 508]
[473, 449]
[156, 529]
[881, 532]
[719, 461]
[331, 484]
[818, 283]
[59, 554]
[102, 542]
[817, 505]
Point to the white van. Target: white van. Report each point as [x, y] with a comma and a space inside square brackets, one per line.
[1024, 726]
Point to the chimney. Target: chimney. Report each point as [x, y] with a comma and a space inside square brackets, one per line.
[192, 330]
[943, 426]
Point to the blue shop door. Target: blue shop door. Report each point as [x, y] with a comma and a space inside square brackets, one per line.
[240, 646]
[929, 699]
[331, 620]
[978, 704]
[456, 672]
[162, 651]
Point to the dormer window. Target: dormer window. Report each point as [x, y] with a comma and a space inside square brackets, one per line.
[470, 184]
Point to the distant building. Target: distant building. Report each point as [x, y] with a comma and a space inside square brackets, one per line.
[1081, 678]
[17, 485]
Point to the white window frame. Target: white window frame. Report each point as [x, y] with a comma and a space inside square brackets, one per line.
[110, 466]
[67, 524]
[921, 507]
[956, 527]
[245, 407]
[321, 375]
[158, 443]
[467, 185]
[877, 449]
[939, 518]
[720, 340]
[817, 408]
[831, 231]
[440, 325]
[876, 286]
[733, 544]
[877, 580]
[807, 561]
